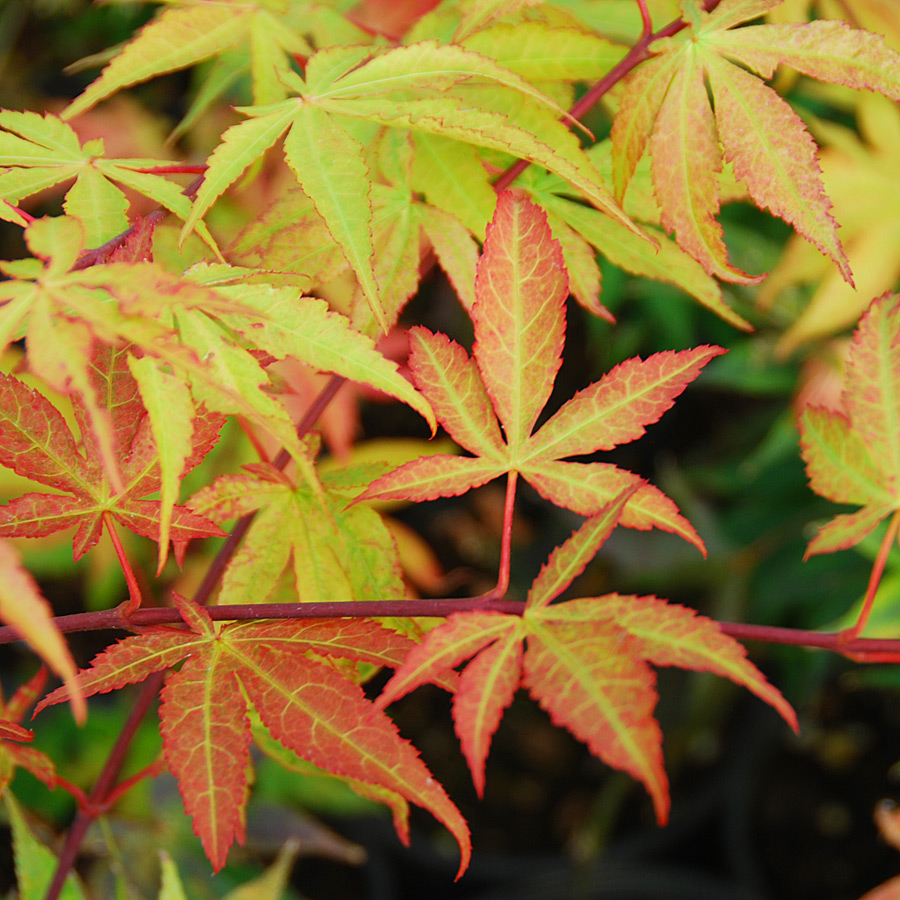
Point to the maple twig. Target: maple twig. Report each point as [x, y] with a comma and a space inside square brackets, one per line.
[438, 607]
[874, 579]
[157, 767]
[637, 54]
[862, 649]
[87, 806]
[134, 590]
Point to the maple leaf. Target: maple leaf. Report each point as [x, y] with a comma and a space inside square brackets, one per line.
[291, 236]
[438, 89]
[24, 608]
[64, 313]
[853, 456]
[585, 661]
[583, 232]
[665, 105]
[519, 320]
[260, 39]
[36, 442]
[13, 735]
[200, 327]
[336, 553]
[283, 668]
[37, 152]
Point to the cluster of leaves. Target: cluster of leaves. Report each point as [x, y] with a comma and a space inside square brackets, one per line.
[141, 341]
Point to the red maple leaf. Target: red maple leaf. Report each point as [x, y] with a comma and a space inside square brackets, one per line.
[586, 661]
[519, 318]
[36, 442]
[285, 670]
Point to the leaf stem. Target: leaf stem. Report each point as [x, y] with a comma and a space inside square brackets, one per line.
[134, 590]
[874, 579]
[506, 538]
[176, 169]
[647, 24]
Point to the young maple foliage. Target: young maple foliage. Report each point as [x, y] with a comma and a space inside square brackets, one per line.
[36, 442]
[337, 552]
[286, 670]
[426, 87]
[666, 107]
[193, 337]
[37, 152]
[519, 319]
[585, 661]
[853, 455]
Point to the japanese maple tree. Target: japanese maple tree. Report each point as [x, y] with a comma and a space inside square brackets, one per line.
[162, 315]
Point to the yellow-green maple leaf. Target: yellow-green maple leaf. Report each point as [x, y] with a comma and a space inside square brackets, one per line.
[438, 89]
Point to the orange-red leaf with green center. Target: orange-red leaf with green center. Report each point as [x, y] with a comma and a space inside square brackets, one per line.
[305, 702]
[36, 442]
[519, 319]
[589, 679]
[585, 661]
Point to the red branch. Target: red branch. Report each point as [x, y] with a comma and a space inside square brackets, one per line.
[115, 619]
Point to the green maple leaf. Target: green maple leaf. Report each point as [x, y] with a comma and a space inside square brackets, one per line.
[519, 319]
[444, 90]
[292, 237]
[666, 107]
[35, 862]
[284, 670]
[853, 455]
[38, 152]
[585, 661]
[335, 553]
[261, 39]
